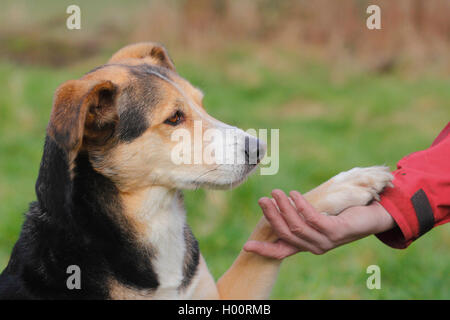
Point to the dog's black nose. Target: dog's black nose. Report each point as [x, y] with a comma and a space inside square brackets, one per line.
[252, 151]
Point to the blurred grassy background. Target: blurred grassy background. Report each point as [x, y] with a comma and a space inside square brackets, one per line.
[341, 95]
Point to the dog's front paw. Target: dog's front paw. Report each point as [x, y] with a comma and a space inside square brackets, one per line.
[356, 187]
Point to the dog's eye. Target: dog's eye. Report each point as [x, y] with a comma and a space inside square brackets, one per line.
[175, 119]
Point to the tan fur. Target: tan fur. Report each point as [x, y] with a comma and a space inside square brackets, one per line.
[132, 202]
[118, 291]
[117, 74]
[151, 53]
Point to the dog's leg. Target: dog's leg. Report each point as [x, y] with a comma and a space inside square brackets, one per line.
[252, 276]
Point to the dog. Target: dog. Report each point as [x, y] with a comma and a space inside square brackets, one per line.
[109, 195]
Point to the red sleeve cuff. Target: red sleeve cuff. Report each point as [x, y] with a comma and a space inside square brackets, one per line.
[399, 206]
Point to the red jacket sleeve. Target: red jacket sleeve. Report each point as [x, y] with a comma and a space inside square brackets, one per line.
[420, 198]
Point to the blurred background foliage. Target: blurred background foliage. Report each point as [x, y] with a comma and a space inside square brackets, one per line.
[341, 95]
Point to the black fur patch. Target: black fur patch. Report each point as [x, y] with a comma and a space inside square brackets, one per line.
[191, 258]
[133, 119]
[74, 222]
[138, 100]
[144, 70]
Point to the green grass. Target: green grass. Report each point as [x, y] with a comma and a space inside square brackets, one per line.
[326, 125]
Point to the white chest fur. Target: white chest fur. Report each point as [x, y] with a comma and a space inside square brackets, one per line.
[165, 218]
[162, 218]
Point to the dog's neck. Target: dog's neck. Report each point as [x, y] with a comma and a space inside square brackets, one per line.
[154, 209]
[158, 216]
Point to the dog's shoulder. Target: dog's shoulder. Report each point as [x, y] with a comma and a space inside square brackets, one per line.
[40, 260]
[14, 278]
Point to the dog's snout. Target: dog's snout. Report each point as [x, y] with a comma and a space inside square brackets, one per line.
[254, 150]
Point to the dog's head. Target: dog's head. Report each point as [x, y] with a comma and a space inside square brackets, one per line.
[141, 125]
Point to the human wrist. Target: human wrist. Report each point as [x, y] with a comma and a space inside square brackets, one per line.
[362, 221]
[384, 220]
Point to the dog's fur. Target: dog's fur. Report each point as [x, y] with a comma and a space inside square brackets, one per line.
[109, 199]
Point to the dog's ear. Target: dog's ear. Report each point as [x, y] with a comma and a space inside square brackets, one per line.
[81, 109]
[153, 53]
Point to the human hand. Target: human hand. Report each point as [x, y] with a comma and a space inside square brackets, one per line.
[301, 228]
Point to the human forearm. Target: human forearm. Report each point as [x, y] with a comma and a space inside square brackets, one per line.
[366, 220]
